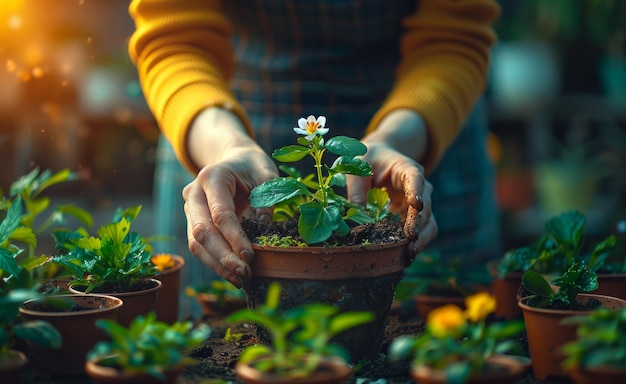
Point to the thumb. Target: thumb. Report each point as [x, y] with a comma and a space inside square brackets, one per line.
[357, 188]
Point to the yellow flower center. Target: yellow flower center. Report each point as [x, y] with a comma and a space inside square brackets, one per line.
[162, 261]
[445, 321]
[479, 306]
[312, 126]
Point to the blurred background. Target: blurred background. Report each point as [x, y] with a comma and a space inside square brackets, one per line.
[69, 98]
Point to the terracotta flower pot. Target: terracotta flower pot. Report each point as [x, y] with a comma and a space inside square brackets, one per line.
[501, 369]
[331, 371]
[599, 375]
[12, 366]
[546, 334]
[169, 295]
[212, 307]
[102, 374]
[424, 304]
[136, 303]
[612, 284]
[506, 292]
[76, 326]
[359, 278]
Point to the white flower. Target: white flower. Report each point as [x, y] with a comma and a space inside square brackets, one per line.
[311, 126]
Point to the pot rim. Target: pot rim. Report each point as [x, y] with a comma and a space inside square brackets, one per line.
[246, 370]
[560, 312]
[117, 303]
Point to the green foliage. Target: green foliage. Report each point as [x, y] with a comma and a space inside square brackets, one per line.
[577, 279]
[17, 284]
[300, 335]
[117, 256]
[321, 212]
[147, 345]
[560, 247]
[222, 289]
[600, 341]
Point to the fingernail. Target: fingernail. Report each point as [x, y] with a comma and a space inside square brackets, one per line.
[242, 273]
[246, 256]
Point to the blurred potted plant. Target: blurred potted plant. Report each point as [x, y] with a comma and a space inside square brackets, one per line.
[597, 354]
[461, 346]
[169, 268]
[219, 298]
[115, 263]
[301, 349]
[325, 259]
[548, 304]
[148, 351]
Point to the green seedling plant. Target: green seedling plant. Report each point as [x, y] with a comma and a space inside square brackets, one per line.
[17, 284]
[560, 247]
[117, 257]
[459, 342]
[148, 345]
[600, 340]
[222, 289]
[300, 335]
[578, 278]
[320, 210]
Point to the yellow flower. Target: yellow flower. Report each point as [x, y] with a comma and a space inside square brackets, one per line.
[162, 261]
[479, 306]
[444, 321]
[311, 126]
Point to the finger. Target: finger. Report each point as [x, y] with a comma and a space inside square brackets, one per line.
[428, 232]
[220, 259]
[357, 188]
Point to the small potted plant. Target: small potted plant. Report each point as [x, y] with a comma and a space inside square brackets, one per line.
[548, 304]
[597, 354]
[17, 284]
[169, 269]
[148, 351]
[300, 348]
[219, 298]
[462, 346]
[320, 246]
[116, 263]
[436, 282]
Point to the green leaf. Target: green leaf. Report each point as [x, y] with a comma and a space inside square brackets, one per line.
[378, 198]
[290, 153]
[536, 284]
[25, 235]
[275, 191]
[347, 320]
[12, 220]
[39, 332]
[57, 178]
[351, 166]
[346, 146]
[8, 262]
[316, 223]
[79, 213]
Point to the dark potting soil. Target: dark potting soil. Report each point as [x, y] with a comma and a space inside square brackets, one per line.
[380, 232]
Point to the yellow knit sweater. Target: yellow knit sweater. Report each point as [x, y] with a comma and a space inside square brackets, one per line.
[184, 58]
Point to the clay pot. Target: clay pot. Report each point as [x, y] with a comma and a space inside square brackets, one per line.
[357, 278]
[169, 295]
[424, 304]
[612, 284]
[506, 292]
[597, 375]
[212, 307]
[501, 369]
[76, 326]
[102, 374]
[546, 334]
[12, 366]
[330, 371]
[136, 303]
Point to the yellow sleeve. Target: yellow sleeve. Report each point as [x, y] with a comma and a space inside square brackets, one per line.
[443, 71]
[184, 59]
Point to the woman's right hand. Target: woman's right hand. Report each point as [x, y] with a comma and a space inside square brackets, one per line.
[217, 199]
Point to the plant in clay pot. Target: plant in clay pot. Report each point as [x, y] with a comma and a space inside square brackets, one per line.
[116, 262]
[218, 298]
[460, 345]
[597, 354]
[169, 269]
[147, 351]
[17, 284]
[320, 246]
[546, 307]
[301, 349]
[432, 282]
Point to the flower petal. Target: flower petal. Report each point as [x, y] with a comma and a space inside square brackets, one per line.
[301, 131]
[302, 123]
[321, 121]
